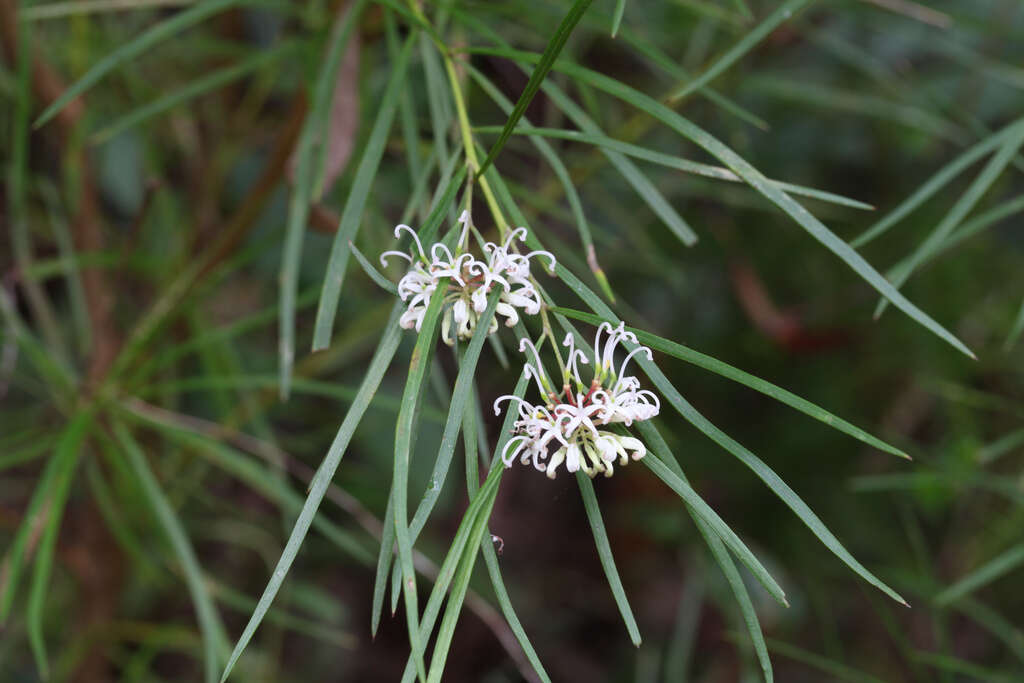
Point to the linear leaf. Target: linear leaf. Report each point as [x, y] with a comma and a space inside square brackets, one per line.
[210, 627]
[781, 14]
[725, 370]
[939, 180]
[404, 428]
[765, 473]
[474, 427]
[462, 535]
[453, 423]
[706, 514]
[1016, 330]
[677, 163]
[754, 178]
[42, 503]
[133, 48]
[604, 552]
[194, 89]
[352, 215]
[540, 72]
[993, 169]
[620, 9]
[568, 186]
[983, 575]
[322, 479]
[66, 454]
[302, 189]
[657, 444]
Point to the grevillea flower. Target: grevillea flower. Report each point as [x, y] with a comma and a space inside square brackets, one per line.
[571, 419]
[470, 281]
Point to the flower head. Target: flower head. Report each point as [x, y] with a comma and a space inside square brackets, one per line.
[571, 419]
[470, 281]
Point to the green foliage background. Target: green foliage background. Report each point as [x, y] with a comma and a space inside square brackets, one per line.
[181, 185]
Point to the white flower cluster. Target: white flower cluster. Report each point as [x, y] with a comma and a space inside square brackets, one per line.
[470, 281]
[570, 419]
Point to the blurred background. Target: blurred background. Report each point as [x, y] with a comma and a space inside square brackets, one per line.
[144, 226]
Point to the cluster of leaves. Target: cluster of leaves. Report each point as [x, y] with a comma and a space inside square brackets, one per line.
[132, 431]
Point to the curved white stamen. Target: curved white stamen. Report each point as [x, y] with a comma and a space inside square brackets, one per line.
[538, 370]
[520, 232]
[398, 233]
[465, 220]
[402, 254]
[639, 349]
[552, 262]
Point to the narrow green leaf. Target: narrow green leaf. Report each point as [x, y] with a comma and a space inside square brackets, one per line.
[725, 370]
[765, 473]
[472, 429]
[678, 163]
[194, 89]
[453, 423]
[568, 186]
[66, 454]
[375, 275]
[45, 505]
[135, 47]
[459, 542]
[620, 9]
[756, 180]
[352, 215]
[211, 630]
[1016, 330]
[460, 584]
[804, 92]
[994, 622]
[302, 190]
[680, 647]
[400, 488]
[939, 180]
[706, 514]
[640, 183]
[540, 72]
[953, 664]
[993, 169]
[657, 444]
[840, 672]
[324, 474]
[384, 555]
[480, 505]
[983, 575]
[781, 14]
[604, 552]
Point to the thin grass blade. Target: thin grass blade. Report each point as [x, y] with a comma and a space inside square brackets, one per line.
[210, 628]
[725, 370]
[755, 179]
[604, 552]
[352, 215]
[66, 454]
[302, 190]
[993, 169]
[620, 9]
[198, 87]
[782, 13]
[324, 474]
[765, 473]
[540, 72]
[678, 163]
[133, 48]
[939, 180]
[63, 461]
[983, 575]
